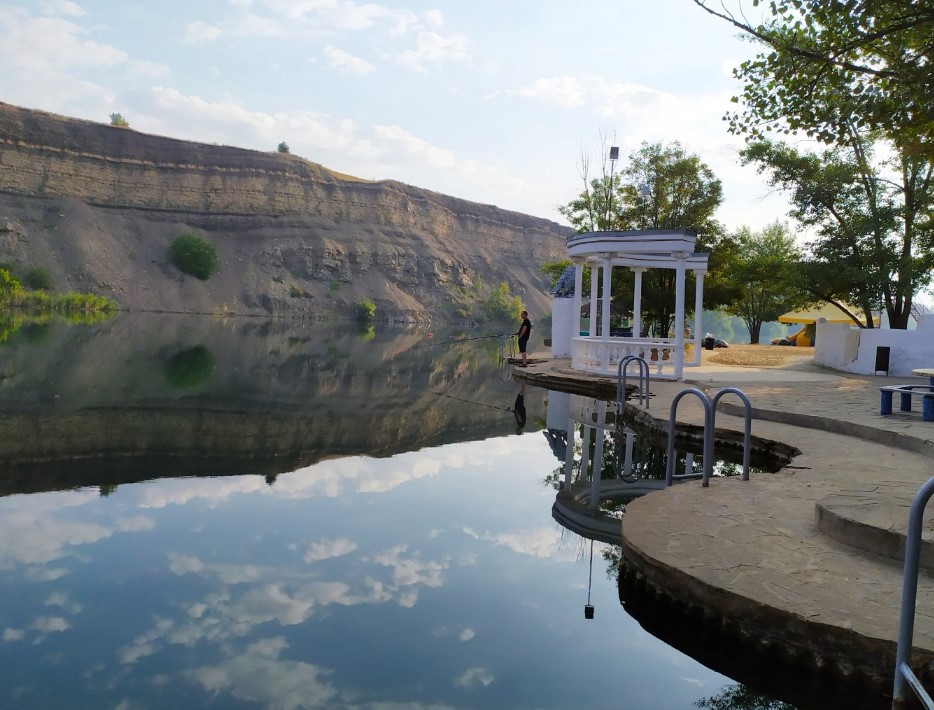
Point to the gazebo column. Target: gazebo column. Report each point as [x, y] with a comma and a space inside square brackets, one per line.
[594, 274]
[679, 314]
[578, 286]
[637, 303]
[597, 469]
[605, 319]
[569, 450]
[698, 314]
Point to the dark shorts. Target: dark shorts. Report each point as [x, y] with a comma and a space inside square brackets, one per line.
[523, 342]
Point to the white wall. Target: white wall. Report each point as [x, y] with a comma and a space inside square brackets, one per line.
[854, 349]
[562, 330]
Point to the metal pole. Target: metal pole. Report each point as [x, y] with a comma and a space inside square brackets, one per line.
[906, 622]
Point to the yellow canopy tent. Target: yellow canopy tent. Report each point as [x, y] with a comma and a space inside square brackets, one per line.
[832, 313]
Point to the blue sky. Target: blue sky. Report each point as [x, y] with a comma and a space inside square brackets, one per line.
[489, 100]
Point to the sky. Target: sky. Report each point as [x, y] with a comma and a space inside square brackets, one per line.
[493, 101]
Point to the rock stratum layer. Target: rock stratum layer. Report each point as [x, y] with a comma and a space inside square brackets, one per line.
[98, 206]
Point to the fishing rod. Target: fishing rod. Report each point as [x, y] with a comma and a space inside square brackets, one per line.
[458, 340]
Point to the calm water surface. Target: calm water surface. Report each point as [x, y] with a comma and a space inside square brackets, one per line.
[209, 513]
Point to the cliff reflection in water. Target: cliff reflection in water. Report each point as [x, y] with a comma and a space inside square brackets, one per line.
[147, 396]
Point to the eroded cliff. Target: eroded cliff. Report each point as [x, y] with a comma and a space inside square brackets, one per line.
[97, 206]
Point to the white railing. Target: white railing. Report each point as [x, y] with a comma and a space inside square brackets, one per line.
[600, 356]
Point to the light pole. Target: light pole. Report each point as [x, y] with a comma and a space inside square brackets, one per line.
[614, 156]
[645, 192]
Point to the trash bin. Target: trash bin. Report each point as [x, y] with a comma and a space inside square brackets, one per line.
[709, 342]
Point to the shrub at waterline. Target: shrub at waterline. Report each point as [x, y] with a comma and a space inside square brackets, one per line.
[38, 278]
[366, 310]
[194, 255]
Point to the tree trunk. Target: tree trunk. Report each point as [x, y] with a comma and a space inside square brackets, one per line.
[754, 329]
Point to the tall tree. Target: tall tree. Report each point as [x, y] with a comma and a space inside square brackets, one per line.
[870, 58]
[875, 234]
[761, 267]
[660, 187]
[854, 74]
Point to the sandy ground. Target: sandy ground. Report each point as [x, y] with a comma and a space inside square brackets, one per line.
[763, 355]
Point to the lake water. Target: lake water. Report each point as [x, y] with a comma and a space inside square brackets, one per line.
[201, 512]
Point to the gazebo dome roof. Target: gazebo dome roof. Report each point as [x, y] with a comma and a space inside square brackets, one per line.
[650, 248]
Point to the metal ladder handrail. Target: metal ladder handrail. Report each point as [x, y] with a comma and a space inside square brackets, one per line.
[905, 678]
[644, 379]
[503, 341]
[628, 471]
[670, 475]
[710, 414]
[747, 430]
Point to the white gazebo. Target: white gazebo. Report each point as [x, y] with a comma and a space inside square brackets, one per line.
[598, 350]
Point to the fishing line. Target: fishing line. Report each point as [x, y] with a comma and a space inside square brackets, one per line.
[450, 342]
[460, 399]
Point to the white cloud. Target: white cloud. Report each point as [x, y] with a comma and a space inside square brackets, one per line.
[49, 62]
[61, 7]
[474, 677]
[13, 634]
[307, 18]
[408, 571]
[61, 600]
[184, 564]
[347, 63]
[138, 523]
[565, 91]
[260, 675]
[197, 32]
[326, 549]
[396, 137]
[466, 634]
[50, 624]
[433, 48]
[538, 542]
[29, 540]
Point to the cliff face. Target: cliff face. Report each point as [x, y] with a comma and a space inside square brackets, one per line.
[98, 206]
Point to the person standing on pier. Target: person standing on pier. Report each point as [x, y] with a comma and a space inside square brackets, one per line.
[525, 330]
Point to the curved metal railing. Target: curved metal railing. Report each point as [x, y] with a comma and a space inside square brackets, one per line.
[905, 679]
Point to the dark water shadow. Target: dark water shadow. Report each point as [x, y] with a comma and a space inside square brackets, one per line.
[145, 396]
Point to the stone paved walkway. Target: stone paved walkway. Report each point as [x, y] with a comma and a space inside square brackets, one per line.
[810, 557]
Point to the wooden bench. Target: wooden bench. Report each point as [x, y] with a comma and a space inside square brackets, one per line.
[906, 392]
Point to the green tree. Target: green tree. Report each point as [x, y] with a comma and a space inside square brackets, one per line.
[283, 147]
[870, 60]
[10, 287]
[554, 269]
[659, 187]
[857, 77]
[118, 120]
[875, 234]
[501, 305]
[760, 268]
[194, 255]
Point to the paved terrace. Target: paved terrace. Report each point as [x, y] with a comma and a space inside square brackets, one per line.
[809, 559]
